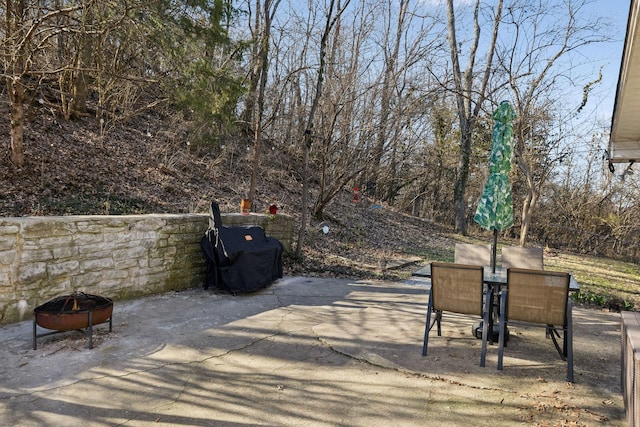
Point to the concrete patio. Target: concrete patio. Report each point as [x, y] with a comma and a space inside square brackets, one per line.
[304, 352]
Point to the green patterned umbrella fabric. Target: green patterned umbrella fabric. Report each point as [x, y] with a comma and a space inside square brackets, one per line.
[495, 208]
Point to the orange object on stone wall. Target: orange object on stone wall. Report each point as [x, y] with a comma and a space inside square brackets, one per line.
[245, 206]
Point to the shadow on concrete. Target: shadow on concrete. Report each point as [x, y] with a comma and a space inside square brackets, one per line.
[305, 351]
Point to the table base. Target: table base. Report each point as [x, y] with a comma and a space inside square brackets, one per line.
[476, 330]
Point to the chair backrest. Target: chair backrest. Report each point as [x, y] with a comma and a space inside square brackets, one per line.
[457, 288]
[471, 254]
[537, 296]
[515, 256]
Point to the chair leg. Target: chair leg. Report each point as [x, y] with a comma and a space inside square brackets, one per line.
[552, 333]
[427, 326]
[568, 338]
[503, 327]
[485, 326]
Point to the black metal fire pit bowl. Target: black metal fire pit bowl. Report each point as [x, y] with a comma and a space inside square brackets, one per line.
[77, 311]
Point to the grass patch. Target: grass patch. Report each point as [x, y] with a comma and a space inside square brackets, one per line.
[604, 282]
[434, 254]
[608, 301]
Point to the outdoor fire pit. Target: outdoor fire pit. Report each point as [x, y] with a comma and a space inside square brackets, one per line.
[77, 311]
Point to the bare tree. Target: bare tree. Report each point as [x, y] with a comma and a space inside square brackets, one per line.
[470, 96]
[30, 29]
[264, 16]
[389, 80]
[533, 63]
[375, 108]
[333, 14]
[120, 50]
[432, 197]
[345, 113]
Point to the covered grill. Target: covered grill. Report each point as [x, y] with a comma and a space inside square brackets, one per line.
[239, 259]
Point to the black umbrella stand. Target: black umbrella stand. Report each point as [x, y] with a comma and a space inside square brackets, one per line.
[494, 250]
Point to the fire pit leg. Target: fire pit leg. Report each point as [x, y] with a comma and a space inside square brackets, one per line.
[34, 333]
[90, 329]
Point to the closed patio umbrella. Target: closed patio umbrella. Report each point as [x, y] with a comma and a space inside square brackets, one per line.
[495, 208]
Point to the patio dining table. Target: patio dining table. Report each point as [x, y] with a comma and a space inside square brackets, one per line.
[497, 280]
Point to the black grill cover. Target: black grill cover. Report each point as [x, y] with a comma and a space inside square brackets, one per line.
[239, 259]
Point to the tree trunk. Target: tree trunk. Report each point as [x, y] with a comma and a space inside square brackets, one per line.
[80, 93]
[14, 34]
[528, 207]
[305, 193]
[260, 78]
[308, 140]
[459, 199]
[16, 97]
[388, 85]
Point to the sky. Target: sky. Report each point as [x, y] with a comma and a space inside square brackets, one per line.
[609, 55]
[605, 55]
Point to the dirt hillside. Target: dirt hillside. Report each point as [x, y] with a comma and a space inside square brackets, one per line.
[149, 166]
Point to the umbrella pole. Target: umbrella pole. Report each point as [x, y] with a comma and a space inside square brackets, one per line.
[493, 250]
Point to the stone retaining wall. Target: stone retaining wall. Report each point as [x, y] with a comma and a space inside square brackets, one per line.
[118, 257]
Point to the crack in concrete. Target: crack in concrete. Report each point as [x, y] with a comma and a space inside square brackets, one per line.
[367, 360]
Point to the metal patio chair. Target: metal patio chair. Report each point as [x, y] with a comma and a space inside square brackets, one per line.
[539, 297]
[457, 288]
[472, 254]
[518, 257]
